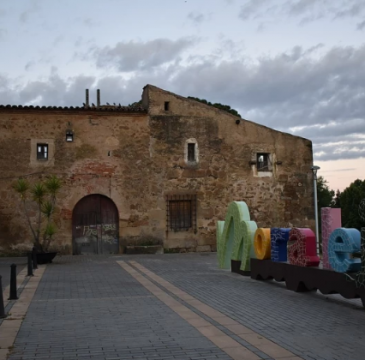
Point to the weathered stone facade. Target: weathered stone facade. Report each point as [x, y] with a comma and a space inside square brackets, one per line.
[138, 157]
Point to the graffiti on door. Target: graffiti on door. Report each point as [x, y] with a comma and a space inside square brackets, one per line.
[95, 226]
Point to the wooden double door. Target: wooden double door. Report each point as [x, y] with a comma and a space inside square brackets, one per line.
[95, 226]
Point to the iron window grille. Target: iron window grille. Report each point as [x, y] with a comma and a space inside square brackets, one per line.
[181, 212]
[263, 162]
[42, 151]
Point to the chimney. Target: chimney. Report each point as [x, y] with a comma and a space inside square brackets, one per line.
[98, 97]
[87, 98]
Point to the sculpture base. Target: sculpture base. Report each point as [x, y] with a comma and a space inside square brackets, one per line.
[300, 279]
[235, 267]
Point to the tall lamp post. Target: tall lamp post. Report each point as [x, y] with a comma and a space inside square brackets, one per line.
[315, 169]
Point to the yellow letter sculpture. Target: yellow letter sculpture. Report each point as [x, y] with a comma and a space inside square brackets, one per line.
[262, 243]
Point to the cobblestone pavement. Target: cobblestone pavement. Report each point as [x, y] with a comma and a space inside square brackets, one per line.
[5, 263]
[89, 307]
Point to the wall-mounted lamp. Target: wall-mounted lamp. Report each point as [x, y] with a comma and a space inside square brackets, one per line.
[69, 136]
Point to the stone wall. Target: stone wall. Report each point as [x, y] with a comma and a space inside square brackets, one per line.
[138, 158]
[281, 197]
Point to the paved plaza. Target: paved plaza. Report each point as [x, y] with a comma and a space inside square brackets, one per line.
[172, 306]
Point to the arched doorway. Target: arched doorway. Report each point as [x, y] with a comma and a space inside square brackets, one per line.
[95, 226]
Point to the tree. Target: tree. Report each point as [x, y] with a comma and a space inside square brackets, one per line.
[43, 194]
[217, 105]
[350, 201]
[337, 199]
[324, 193]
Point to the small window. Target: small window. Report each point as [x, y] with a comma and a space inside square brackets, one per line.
[167, 105]
[42, 151]
[181, 212]
[263, 160]
[191, 152]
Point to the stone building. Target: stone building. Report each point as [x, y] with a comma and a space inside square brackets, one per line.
[161, 172]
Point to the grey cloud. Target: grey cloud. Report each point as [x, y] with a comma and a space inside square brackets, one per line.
[33, 8]
[29, 65]
[196, 18]
[254, 9]
[87, 21]
[305, 10]
[293, 88]
[334, 131]
[351, 9]
[56, 91]
[360, 25]
[58, 39]
[90, 22]
[130, 56]
[335, 154]
[300, 6]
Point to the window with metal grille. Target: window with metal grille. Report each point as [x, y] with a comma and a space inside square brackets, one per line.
[42, 151]
[191, 152]
[181, 212]
[263, 160]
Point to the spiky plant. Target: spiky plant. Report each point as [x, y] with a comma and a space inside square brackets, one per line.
[44, 195]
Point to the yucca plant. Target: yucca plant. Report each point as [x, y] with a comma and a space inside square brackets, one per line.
[43, 194]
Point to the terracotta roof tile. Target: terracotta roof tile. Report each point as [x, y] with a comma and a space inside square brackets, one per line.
[104, 108]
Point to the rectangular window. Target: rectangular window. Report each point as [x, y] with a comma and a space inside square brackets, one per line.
[191, 152]
[181, 212]
[263, 160]
[42, 151]
[167, 106]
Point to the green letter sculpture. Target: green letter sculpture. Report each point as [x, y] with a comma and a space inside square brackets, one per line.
[235, 236]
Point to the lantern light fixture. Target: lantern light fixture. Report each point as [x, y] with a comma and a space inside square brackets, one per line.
[69, 136]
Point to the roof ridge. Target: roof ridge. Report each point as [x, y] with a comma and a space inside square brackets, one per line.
[113, 108]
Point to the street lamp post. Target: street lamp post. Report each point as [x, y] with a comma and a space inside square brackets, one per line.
[315, 169]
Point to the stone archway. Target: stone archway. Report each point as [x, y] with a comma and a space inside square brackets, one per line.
[95, 226]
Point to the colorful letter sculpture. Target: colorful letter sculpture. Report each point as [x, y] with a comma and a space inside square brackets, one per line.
[262, 244]
[331, 220]
[302, 247]
[239, 239]
[342, 243]
[235, 236]
[279, 240]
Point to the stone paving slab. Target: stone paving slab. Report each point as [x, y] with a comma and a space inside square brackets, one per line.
[304, 323]
[91, 308]
[222, 330]
[10, 325]
[88, 307]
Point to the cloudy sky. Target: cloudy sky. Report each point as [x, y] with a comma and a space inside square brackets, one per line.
[294, 65]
